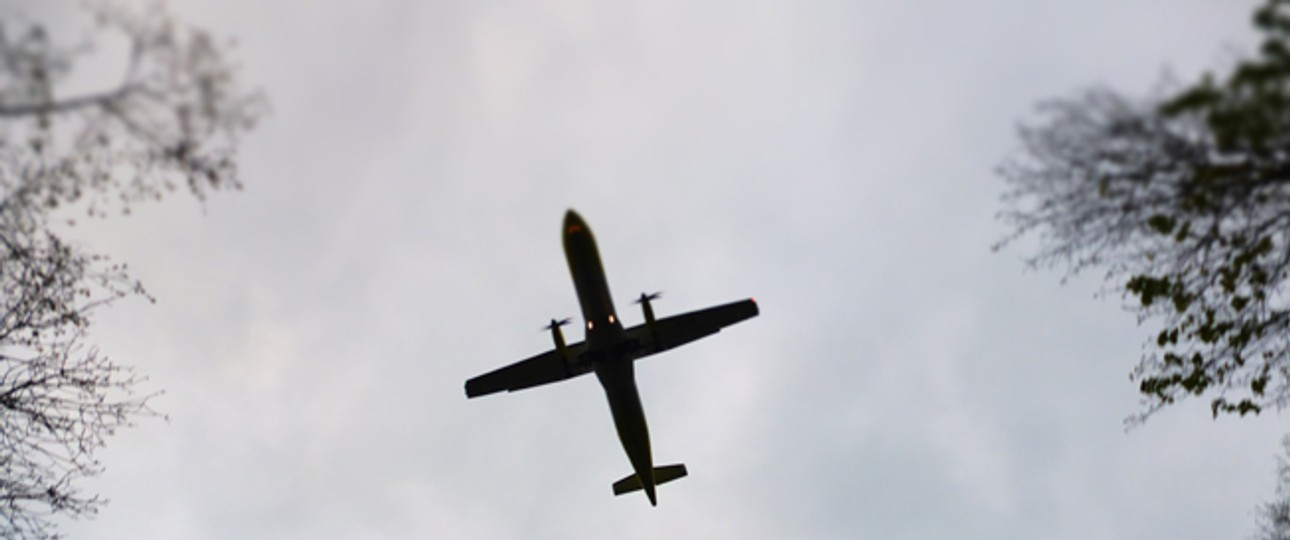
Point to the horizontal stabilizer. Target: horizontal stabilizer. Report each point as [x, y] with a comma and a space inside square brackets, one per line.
[662, 475]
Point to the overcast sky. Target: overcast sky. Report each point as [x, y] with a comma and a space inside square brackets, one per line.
[400, 233]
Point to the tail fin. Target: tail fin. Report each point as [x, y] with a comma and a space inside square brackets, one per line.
[662, 475]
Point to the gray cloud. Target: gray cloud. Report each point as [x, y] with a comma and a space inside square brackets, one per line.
[399, 234]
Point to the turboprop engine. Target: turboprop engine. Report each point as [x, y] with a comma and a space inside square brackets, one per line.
[644, 300]
[558, 336]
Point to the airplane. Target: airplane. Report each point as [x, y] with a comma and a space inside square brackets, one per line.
[610, 351]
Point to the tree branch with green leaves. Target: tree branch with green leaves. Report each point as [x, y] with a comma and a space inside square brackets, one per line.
[1184, 201]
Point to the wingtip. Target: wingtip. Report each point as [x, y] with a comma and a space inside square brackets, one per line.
[473, 390]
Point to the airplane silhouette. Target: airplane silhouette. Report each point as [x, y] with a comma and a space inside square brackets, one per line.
[610, 351]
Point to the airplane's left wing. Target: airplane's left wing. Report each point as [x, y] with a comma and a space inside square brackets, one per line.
[548, 367]
[680, 329]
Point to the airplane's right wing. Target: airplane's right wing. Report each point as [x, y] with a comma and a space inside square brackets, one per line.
[548, 367]
[680, 329]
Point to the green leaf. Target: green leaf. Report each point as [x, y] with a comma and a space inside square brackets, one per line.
[1247, 406]
[1201, 96]
[1258, 384]
[1161, 223]
[1148, 288]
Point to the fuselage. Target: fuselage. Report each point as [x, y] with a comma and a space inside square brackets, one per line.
[606, 344]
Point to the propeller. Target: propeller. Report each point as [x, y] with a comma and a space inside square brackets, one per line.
[647, 297]
[649, 314]
[556, 324]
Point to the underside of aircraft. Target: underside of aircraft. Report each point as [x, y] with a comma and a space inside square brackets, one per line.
[610, 351]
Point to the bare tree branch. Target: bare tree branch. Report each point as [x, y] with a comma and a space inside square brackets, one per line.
[1274, 517]
[175, 119]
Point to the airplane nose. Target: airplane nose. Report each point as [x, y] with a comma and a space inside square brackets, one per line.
[573, 222]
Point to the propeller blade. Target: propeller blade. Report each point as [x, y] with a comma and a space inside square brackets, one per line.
[556, 323]
[647, 297]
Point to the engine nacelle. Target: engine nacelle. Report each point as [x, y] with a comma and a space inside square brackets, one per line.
[558, 337]
[649, 317]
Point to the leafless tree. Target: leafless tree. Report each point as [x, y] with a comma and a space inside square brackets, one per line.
[1274, 517]
[1184, 201]
[172, 121]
